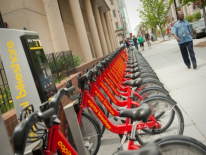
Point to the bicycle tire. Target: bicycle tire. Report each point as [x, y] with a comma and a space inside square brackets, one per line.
[151, 82]
[88, 121]
[102, 127]
[147, 71]
[170, 123]
[145, 76]
[153, 90]
[149, 77]
[178, 145]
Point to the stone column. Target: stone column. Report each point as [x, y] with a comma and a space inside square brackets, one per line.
[56, 27]
[188, 10]
[81, 31]
[183, 10]
[113, 32]
[99, 27]
[105, 30]
[93, 28]
[172, 10]
[109, 30]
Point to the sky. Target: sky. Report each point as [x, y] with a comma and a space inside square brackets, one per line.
[132, 6]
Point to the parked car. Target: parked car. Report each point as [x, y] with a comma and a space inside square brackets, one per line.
[198, 29]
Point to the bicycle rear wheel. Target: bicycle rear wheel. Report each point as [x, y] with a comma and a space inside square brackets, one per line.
[181, 145]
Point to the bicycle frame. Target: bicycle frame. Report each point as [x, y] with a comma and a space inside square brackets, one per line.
[118, 129]
[87, 101]
[56, 140]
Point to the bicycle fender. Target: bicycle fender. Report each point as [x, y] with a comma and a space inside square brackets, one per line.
[147, 99]
[151, 80]
[152, 87]
[179, 138]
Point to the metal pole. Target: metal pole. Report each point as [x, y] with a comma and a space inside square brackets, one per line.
[176, 8]
[54, 61]
[1, 21]
[75, 128]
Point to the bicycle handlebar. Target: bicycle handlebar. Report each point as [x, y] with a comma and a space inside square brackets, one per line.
[22, 129]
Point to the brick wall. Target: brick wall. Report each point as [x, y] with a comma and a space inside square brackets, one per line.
[10, 118]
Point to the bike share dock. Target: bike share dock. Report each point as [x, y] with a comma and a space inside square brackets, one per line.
[186, 86]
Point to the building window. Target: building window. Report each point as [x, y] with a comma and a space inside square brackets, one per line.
[114, 13]
[117, 25]
[111, 1]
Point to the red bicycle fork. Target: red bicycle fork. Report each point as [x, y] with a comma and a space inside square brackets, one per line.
[56, 140]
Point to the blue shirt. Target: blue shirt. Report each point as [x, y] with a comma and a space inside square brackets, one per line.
[182, 30]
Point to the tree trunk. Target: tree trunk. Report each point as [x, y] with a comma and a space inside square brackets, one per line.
[203, 10]
[162, 34]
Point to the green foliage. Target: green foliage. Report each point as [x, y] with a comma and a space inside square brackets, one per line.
[199, 3]
[154, 12]
[193, 18]
[164, 31]
[5, 104]
[77, 60]
[189, 18]
[63, 65]
[196, 16]
[157, 33]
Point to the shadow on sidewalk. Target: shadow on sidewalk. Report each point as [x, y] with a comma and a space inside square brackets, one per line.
[202, 65]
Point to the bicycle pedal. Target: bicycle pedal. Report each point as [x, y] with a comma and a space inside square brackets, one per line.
[120, 148]
[132, 139]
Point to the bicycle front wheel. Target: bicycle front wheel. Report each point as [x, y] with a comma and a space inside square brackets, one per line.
[181, 145]
[168, 114]
[90, 133]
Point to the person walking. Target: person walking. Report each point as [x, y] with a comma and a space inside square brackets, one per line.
[127, 44]
[168, 33]
[147, 37]
[135, 42]
[182, 33]
[141, 42]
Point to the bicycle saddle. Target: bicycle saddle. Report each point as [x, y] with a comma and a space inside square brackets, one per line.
[132, 66]
[132, 70]
[133, 76]
[134, 83]
[150, 148]
[141, 113]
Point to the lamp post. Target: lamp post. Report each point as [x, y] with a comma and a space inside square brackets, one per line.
[176, 8]
[1, 21]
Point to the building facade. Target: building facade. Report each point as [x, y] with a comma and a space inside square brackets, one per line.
[119, 18]
[83, 26]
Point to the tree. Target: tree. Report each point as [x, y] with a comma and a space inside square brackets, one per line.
[201, 4]
[154, 13]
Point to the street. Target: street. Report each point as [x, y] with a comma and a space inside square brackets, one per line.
[186, 86]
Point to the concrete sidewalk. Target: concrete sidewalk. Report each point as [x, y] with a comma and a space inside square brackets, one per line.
[186, 86]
